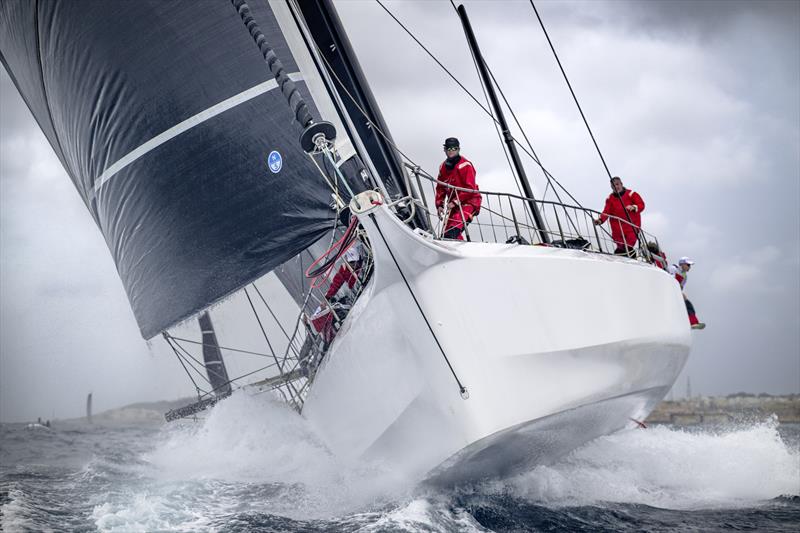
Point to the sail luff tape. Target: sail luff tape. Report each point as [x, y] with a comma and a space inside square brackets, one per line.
[181, 127]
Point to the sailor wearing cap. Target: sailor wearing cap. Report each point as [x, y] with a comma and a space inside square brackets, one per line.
[681, 273]
[457, 208]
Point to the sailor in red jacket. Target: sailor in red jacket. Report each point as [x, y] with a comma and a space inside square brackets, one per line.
[625, 232]
[348, 272]
[456, 207]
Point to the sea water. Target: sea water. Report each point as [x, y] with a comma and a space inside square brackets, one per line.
[254, 465]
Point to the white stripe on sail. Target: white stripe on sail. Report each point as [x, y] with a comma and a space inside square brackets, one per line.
[186, 125]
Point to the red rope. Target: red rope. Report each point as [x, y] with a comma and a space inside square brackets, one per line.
[343, 244]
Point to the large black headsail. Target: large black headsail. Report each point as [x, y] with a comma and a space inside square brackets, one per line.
[177, 138]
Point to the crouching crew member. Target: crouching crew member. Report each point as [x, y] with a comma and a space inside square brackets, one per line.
[627, 207]
[456, 208]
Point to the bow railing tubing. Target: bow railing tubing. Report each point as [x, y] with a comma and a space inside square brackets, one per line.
[505, 218]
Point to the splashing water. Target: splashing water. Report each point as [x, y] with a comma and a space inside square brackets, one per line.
[670, 468]
[253, 464]
[260, 441]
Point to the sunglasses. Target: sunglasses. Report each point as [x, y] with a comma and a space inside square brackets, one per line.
[451, 149]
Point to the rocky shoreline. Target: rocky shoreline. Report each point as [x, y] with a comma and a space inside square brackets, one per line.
[731, 408]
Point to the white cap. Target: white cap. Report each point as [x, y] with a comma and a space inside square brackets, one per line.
[353, 253]
[685, 261]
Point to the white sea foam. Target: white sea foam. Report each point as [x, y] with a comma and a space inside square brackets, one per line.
[261, 442]
[669, 468]
[143, 513]
[425, 515]
[253, 456]
[12, 513]
[247, 439]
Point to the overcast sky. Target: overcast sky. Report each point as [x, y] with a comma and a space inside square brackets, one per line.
[695, 104]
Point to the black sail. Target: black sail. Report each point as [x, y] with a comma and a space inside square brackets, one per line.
[165, 117]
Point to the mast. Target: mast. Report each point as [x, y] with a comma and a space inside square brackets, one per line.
[509, 140]
[89, 408]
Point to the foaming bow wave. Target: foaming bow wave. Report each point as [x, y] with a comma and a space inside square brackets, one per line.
[245, 438]
[255, 444]
[669, 468]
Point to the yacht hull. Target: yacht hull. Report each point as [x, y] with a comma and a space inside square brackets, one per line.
[554, 347]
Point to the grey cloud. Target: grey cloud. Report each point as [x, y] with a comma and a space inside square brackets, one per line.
[16, 117]
[705, 19]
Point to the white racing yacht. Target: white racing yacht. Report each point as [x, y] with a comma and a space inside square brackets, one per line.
[216, 144]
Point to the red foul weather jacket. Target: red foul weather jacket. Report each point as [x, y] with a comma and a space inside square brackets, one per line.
[462, 175]
[622, 232]
[344, 275]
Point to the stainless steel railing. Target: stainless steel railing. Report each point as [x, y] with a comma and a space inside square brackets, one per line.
[506, 218]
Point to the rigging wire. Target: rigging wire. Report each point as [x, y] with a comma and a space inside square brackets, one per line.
[188, 357]
[271, 312]
[292, 391]
[450, 74]
[263, 331]
[218, 346]
[422, 171]
[180, 360]
[233, 381]
[639, 238]
[575, 98]
[549, 177]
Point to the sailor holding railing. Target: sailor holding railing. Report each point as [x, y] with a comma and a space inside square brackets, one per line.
[456, 208]
[625, 206]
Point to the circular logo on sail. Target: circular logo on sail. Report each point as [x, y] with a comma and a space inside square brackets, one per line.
[275, 162]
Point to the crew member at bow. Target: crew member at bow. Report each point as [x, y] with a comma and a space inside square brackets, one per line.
[457, 208]
[626, 206]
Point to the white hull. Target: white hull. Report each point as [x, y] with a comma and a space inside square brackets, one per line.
[554, 346]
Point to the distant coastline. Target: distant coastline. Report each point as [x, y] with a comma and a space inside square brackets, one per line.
[135, 414]
[687, 411]
[730, 408]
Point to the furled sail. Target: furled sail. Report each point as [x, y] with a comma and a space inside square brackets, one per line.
[177, 139]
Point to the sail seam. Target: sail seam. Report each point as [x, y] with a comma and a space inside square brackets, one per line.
[184, 126]
[61, 154]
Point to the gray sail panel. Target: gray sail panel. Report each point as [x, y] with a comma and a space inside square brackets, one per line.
[19, 52]
[212, 357]
[185, 198]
